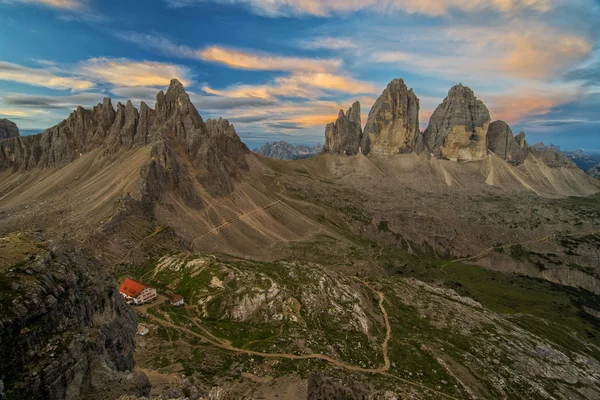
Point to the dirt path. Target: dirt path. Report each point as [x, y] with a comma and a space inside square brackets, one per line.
[506, 246]
[238, 218]
[226, 345]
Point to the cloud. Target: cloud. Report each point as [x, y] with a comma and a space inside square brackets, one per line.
[588, 75]
[8, 112]
[529, 52]
[159, 43]
[71, 5]
[326, 42]
[45, 77]
[525, 102]
[52, 102]
[285, 125]
[127, 73]
[322, 8]
[301, 85]
[265, 62]
[329, 81]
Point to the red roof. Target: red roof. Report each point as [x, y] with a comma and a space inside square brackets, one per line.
[175, 298]
[131, 288]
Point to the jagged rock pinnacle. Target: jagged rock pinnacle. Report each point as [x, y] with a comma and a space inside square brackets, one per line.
[393, 124]
[343, 136]
[8, 129]
[458, 127]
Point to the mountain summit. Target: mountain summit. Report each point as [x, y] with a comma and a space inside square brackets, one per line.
[184, 148]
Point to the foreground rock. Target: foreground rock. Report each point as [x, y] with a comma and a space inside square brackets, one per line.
[500, 141]
[8, 129]
[65, 331]
[284, 151]
[344, 135]
[458, 127]
[393, 124]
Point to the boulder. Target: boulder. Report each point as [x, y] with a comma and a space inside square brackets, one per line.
[8, 129]
[393, 123]
[500, 141]
[458, 127]
[344, 135]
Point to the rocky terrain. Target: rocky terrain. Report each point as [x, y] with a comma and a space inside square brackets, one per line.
[459, 262]
[65, 331]
[284, 151]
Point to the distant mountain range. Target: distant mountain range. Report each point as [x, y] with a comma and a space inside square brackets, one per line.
[284, 151]
[585, 160]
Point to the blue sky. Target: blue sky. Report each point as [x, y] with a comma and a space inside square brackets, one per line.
[281, 69]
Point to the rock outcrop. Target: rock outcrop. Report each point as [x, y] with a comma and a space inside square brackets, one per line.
[65, 331]
[550, 156]
[284, 151]
[393, 123]
[458, 127]
[500, 141]
[186, 151]
[344, 135]
[8, 129]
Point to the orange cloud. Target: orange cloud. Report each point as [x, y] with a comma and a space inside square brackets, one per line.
[265, 62]
[539, 55]
[63, 4]
[427, 7]
[328, 81]
[44, 77]
[526, 102]
[528, 52]
[123, 72]
[7, 112]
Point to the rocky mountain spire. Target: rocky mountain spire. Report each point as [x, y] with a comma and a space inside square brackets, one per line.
[458, 127]
[186, 151]
[393, 124]
[8, 129]
[500, 141]
[343, 136]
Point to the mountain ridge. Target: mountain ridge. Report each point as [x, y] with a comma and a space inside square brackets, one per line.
[282, 150]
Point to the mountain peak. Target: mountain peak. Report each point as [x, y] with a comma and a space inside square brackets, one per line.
[393, 124]
[8, 129]
[458, 127]
[344, 135]
[175, 85]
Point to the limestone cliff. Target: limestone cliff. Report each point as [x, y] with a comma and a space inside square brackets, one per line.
[8, 129]
[344, 135]
[65, 331]
[393, 123]
[500, 141]
[458, 127]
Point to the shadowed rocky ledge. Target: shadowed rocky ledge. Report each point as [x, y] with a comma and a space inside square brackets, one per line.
[65, 331]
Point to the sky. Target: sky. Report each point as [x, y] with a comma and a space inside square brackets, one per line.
[282, 69]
